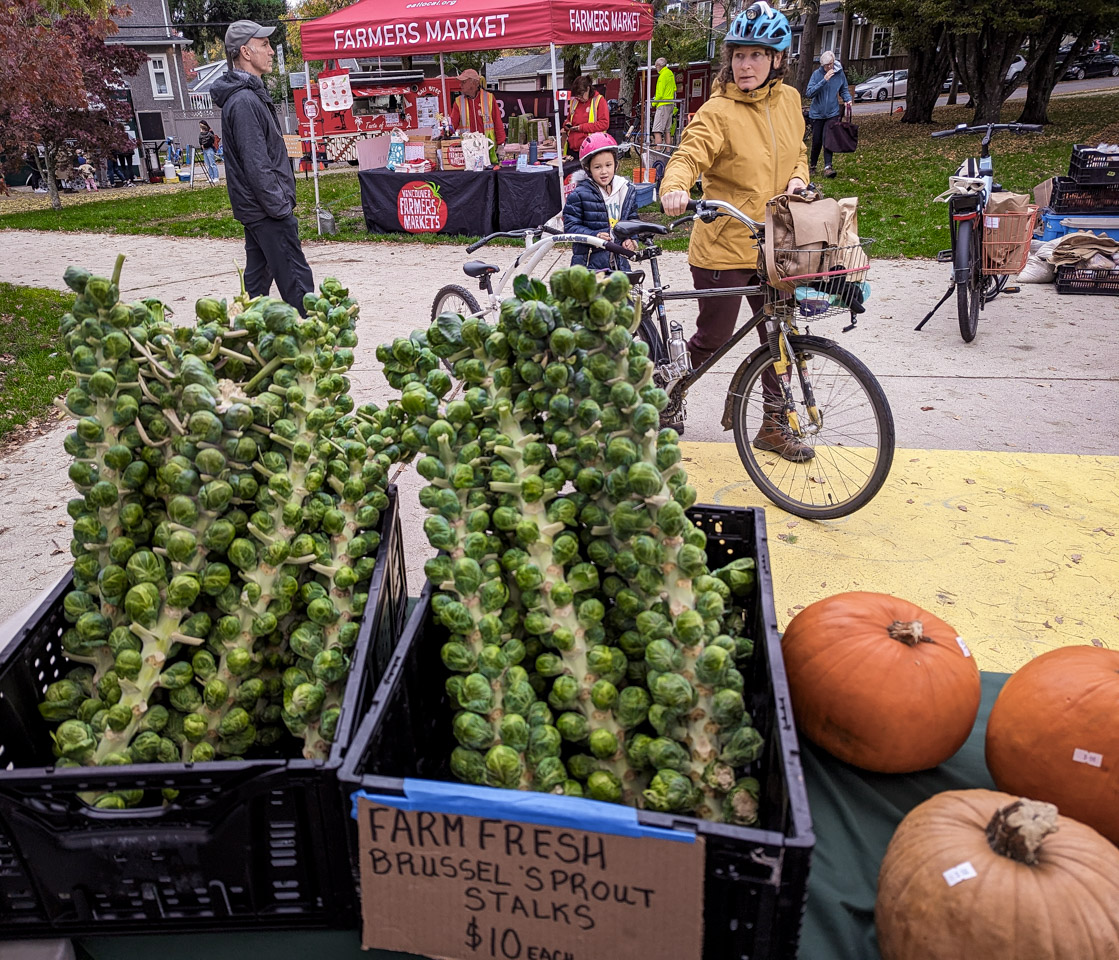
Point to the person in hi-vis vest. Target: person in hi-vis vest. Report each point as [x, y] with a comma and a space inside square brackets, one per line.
[588, 114]
[477, 110]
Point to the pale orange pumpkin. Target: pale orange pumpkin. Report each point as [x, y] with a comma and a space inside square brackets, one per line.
[981, 874]
[880, 683]
[1053, 734]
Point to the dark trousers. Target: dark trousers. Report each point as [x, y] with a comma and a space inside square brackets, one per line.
[273, 252]
[718, 317]
[818, 126]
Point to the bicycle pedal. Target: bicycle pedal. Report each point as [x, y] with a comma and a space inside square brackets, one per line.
[1011, 289]
[945, 256]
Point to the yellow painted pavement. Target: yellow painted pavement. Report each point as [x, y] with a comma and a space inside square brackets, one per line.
[1018, 551]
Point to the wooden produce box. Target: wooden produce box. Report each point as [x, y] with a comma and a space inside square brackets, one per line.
[450, 153]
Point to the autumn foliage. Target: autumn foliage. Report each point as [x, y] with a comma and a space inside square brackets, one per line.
[61, 86]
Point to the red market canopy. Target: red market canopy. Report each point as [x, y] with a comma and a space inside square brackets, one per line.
[408, 27]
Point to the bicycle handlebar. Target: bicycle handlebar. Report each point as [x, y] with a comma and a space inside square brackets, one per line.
[513, 235]
[990, 127]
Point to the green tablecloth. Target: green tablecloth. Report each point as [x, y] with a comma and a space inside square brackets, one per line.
[854, 815]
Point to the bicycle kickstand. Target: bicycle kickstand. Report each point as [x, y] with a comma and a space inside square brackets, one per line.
[939, 304]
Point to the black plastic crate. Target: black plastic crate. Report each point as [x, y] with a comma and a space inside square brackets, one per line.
[252, 844]
[1068, 196]
[756, 877]
[1086, 280]
[1089, 165]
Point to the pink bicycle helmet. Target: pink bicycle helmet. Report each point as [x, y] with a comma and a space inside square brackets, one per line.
[596, 143]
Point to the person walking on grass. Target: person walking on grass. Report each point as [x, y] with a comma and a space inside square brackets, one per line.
[208, 141]
[827, 86]
[258, 173]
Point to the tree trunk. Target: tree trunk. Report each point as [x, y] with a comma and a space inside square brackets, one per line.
[807, 47]
[628, 76]
[848, 28]
[983, 59]
[1048, 68]
[50, 158]
[405, 63]
[928, 66]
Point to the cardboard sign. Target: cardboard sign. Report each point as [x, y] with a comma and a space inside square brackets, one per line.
[455, 887]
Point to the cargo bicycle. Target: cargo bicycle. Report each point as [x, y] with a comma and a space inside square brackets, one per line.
[833, 407]
[824, 399]
[976, 262]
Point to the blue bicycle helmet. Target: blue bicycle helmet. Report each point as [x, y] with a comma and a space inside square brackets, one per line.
[759, 25]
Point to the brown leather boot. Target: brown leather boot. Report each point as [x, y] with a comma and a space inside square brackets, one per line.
[775, 435]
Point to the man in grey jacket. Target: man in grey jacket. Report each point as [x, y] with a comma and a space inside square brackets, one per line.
[257, 169]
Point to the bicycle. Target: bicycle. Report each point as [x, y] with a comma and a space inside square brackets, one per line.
[539, 241]
[975, 280]
[833, 404]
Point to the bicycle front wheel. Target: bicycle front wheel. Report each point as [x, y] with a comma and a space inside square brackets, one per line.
[969, 293]
[843, 456]
[454, 299]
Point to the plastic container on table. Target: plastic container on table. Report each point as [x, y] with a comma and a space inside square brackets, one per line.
[248, 844]
[755, 877]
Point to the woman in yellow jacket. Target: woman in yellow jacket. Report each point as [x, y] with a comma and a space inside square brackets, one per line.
[747, 142]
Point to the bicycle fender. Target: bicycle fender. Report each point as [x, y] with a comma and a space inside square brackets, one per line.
[736, 386]
[961, 265]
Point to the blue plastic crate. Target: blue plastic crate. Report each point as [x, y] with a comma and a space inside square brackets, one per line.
[1051, 225]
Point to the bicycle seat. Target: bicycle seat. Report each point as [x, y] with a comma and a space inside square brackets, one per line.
[478, 269]
[638, 230]
[635, 277]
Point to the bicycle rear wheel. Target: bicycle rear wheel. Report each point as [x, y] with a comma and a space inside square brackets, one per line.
[852, 444]
[969, 293]
[454, 299]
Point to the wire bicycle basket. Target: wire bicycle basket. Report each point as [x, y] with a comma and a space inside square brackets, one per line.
[821, 281]
[1006, 241]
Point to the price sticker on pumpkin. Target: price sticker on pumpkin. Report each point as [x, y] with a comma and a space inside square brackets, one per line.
[963, 646]
[1086, 756]
[959, 873]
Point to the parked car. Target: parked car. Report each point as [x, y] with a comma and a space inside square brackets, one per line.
[1016, 67]
[882, 85]
[1093, 65]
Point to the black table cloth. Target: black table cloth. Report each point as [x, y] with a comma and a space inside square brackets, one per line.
[452, 201]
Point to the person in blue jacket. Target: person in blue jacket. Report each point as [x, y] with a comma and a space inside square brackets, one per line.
[826, 86]
[599, 201]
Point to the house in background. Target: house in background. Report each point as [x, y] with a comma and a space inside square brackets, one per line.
[162, 103]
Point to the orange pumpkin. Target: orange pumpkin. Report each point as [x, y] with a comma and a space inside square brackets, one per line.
[977, 873]
[1053, 734]
[880, 683]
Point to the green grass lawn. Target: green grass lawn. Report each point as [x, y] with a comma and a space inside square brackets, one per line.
[896, 173]
[30, 364]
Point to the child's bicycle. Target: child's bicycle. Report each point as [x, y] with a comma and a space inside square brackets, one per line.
[812, 425]
[976, 279]
[495, 283]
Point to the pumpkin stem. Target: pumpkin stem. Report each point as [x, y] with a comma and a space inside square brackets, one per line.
[1016, 830]
[909, 632]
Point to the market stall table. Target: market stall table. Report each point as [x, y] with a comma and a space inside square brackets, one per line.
[450, 201]
[854, 814]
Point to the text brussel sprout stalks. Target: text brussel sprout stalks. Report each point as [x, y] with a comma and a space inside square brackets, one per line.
[638, 494]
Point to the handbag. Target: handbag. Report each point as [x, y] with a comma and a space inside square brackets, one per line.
[841, 135]
[801, 236]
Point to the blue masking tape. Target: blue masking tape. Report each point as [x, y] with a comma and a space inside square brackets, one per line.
[546, 809]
